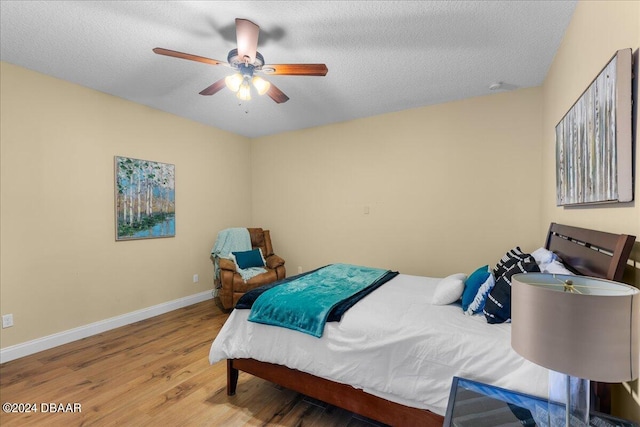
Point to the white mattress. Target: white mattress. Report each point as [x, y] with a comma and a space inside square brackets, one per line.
[393, 344]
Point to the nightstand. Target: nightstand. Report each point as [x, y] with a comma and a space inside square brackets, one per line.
[474, 404]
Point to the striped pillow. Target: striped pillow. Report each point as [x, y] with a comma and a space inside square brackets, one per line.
[498, 305]
[508, 260]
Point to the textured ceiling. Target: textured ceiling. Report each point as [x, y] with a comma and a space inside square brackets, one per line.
[382, 56]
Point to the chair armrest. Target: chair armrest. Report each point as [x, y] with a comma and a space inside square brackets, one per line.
[226, 264]
[274, 261]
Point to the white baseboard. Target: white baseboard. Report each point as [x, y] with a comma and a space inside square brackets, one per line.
[34, 346]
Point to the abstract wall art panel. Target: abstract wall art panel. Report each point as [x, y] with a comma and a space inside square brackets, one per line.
[594, 140]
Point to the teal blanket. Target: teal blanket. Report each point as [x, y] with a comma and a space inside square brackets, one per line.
[233, 240]
[304, 304]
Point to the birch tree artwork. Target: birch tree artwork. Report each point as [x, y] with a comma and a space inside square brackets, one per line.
[145, 199]
[594, 140]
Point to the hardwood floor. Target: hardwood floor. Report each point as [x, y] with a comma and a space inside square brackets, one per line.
[153, 372]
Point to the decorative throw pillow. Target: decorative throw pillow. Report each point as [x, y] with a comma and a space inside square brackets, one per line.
[556, 267]
[246, 259]
[497, 308]
[472, 284]
[508, 260]
[449, 289]
[543, 256]
[478, 303]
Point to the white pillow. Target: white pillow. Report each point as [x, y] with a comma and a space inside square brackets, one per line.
[543, 256]
[556, 267]
[449, 289]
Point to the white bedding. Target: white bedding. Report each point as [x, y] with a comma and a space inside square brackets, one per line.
[393, 344]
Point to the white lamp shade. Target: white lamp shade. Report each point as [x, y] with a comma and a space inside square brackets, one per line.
[233, 81]
[593, 334]
[244, 92]
[261, 85]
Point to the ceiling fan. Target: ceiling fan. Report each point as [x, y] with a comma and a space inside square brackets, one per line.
[248, 62]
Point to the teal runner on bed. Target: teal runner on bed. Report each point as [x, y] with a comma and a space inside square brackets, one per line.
[304, 303]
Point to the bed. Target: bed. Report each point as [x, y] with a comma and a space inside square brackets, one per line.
[418, 382]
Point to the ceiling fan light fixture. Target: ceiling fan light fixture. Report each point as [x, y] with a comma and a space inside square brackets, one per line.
[233, 81]
[244, 93]
[245, 60]
[261, 85]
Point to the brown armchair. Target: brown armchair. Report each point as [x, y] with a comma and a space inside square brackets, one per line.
[232, 285]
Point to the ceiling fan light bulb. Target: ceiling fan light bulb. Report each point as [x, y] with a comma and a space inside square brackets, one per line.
[244, 93]
[261, 85]
[233, 82]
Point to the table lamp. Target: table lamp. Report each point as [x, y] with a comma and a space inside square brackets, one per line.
[583, 328]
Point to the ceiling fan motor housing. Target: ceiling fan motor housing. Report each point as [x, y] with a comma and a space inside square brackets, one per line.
[243, 66]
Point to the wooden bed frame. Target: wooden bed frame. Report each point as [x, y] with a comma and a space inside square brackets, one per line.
[588, 252]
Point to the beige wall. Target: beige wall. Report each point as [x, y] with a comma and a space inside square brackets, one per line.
[597, 30]
[461, 177]
[60, 266]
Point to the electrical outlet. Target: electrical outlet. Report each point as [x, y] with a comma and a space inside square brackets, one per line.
[299, 269]
[196, 279]
[7, 321]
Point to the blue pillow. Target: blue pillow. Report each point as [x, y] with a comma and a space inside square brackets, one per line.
[477, 305]
[248, 259]
[472, 284]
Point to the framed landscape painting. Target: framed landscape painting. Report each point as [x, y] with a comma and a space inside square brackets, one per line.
[144, 199]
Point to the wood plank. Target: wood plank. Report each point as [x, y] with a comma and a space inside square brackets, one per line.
[154, 372]
[574, 245]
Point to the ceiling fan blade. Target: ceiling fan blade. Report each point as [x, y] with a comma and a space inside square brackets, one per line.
[247, 38]
[296, 69]
[276, 94]
[175, 54]
[214, 88]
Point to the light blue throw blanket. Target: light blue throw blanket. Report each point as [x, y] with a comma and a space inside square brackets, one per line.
[303, 304]
[233, 240]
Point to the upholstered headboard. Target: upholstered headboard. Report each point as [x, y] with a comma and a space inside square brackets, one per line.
[590, 252]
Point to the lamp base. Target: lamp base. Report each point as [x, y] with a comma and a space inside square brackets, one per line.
[568, 400]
